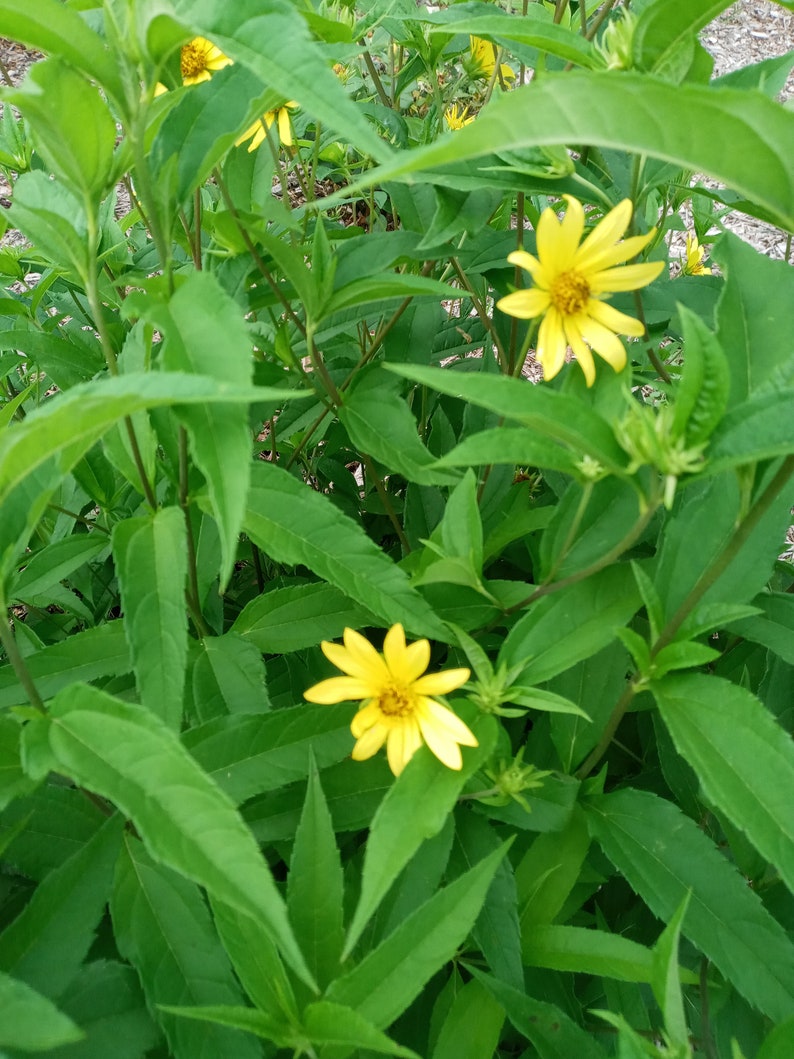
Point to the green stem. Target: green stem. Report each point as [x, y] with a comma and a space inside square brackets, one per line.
[385, 499]
[192, 595]
[485, 319]
[382, 93]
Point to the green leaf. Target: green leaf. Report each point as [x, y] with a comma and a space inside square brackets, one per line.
[54, 562]
[48, 26]
[497, 932]
[162, 927]
[380, 423]
[327, 1023]
[295, 525]
[635, 113]
[53, 219]
[548, 872]
[666, 980]
[585, 951]
[553, 1033]
[151, 563]
[751, 317]
[702, 395]
[414, 809]
[108, 1004]
[72, 128]
[13, 781]
[515, 446]
[565, 627]
[228, 677]
[377, 288]
[664, 29]
[743, 758]
[315, 886]
[473, 1025]
[759, 429]
[779, 1043]
[664, 855]
[247, 755]
[551, 414]
[30, 1021]
[386, 981]
[47, 942]
[58, 822]
[127, 754]
[773, 627]
[529, 30]
[92, 653]
[291, 619]
[201, 320]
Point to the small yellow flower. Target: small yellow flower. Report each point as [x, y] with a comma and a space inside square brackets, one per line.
[694, 259]
[571, 278]
[199, 60]
[456, 118]
[258, 131]
[482, 60]
[397, 707]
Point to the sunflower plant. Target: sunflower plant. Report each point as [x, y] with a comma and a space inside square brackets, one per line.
[396, 453]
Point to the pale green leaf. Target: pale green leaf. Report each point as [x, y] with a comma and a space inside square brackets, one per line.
[30, 1021]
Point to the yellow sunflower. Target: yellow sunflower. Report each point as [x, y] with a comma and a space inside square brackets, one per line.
[397, 708]
[571, 278]
[199, 60]
[457, 118]
[482, 60]
[693, 266]
[257, 132]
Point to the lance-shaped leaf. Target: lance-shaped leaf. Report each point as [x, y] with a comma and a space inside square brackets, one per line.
[128, 755]
[151, 563]
[295, 525]
[664, 856]
[30, 1021]
[743, 758]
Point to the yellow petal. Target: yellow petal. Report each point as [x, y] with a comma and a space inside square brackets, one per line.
[524, 304]
[621, 251]
[604, 236]
[604, 342]
[337, 689]
[444, 720]
[366, 718]
[402, 744]
[284, 127]
[616, 321]
[358, 658]
[571, 229]
[552, 250]
[624, 277]
[405, 662]
[584, 358]
[370, 743]
[441, 683]
[446, 750]
[531, 264]
[552, 344]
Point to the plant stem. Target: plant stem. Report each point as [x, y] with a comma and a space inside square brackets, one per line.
[485, 319]
[370, 65]
[386, 501]
[192, 594]
[14, 656]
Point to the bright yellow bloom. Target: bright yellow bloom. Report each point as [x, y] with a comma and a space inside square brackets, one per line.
[258, 131]
[200, 59]
[483, 60]
[571, 277]
[397, 707]
[694, 259]
[456, 118]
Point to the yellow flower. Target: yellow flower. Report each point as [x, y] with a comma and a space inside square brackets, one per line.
[199, 60]
[258, 131]
[456, 118]
[483, 60]
[571, 277]
[694, 259]
[397, 707]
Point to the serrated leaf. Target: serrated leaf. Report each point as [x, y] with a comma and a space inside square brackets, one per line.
[295, 525]
[126, 754]
[315, 885]
[47, 942]
[743, 758]
[163, 928]
[386, 981]
[291, 619]
[770, 625]
[473, 1024]
[587, 951]
[30, 1021]
[151, 563]
[663, 855]
[414, 809]
[228, 677]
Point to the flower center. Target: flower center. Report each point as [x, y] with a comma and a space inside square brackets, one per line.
[396, 701]
[193, 60]
[570, 293]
